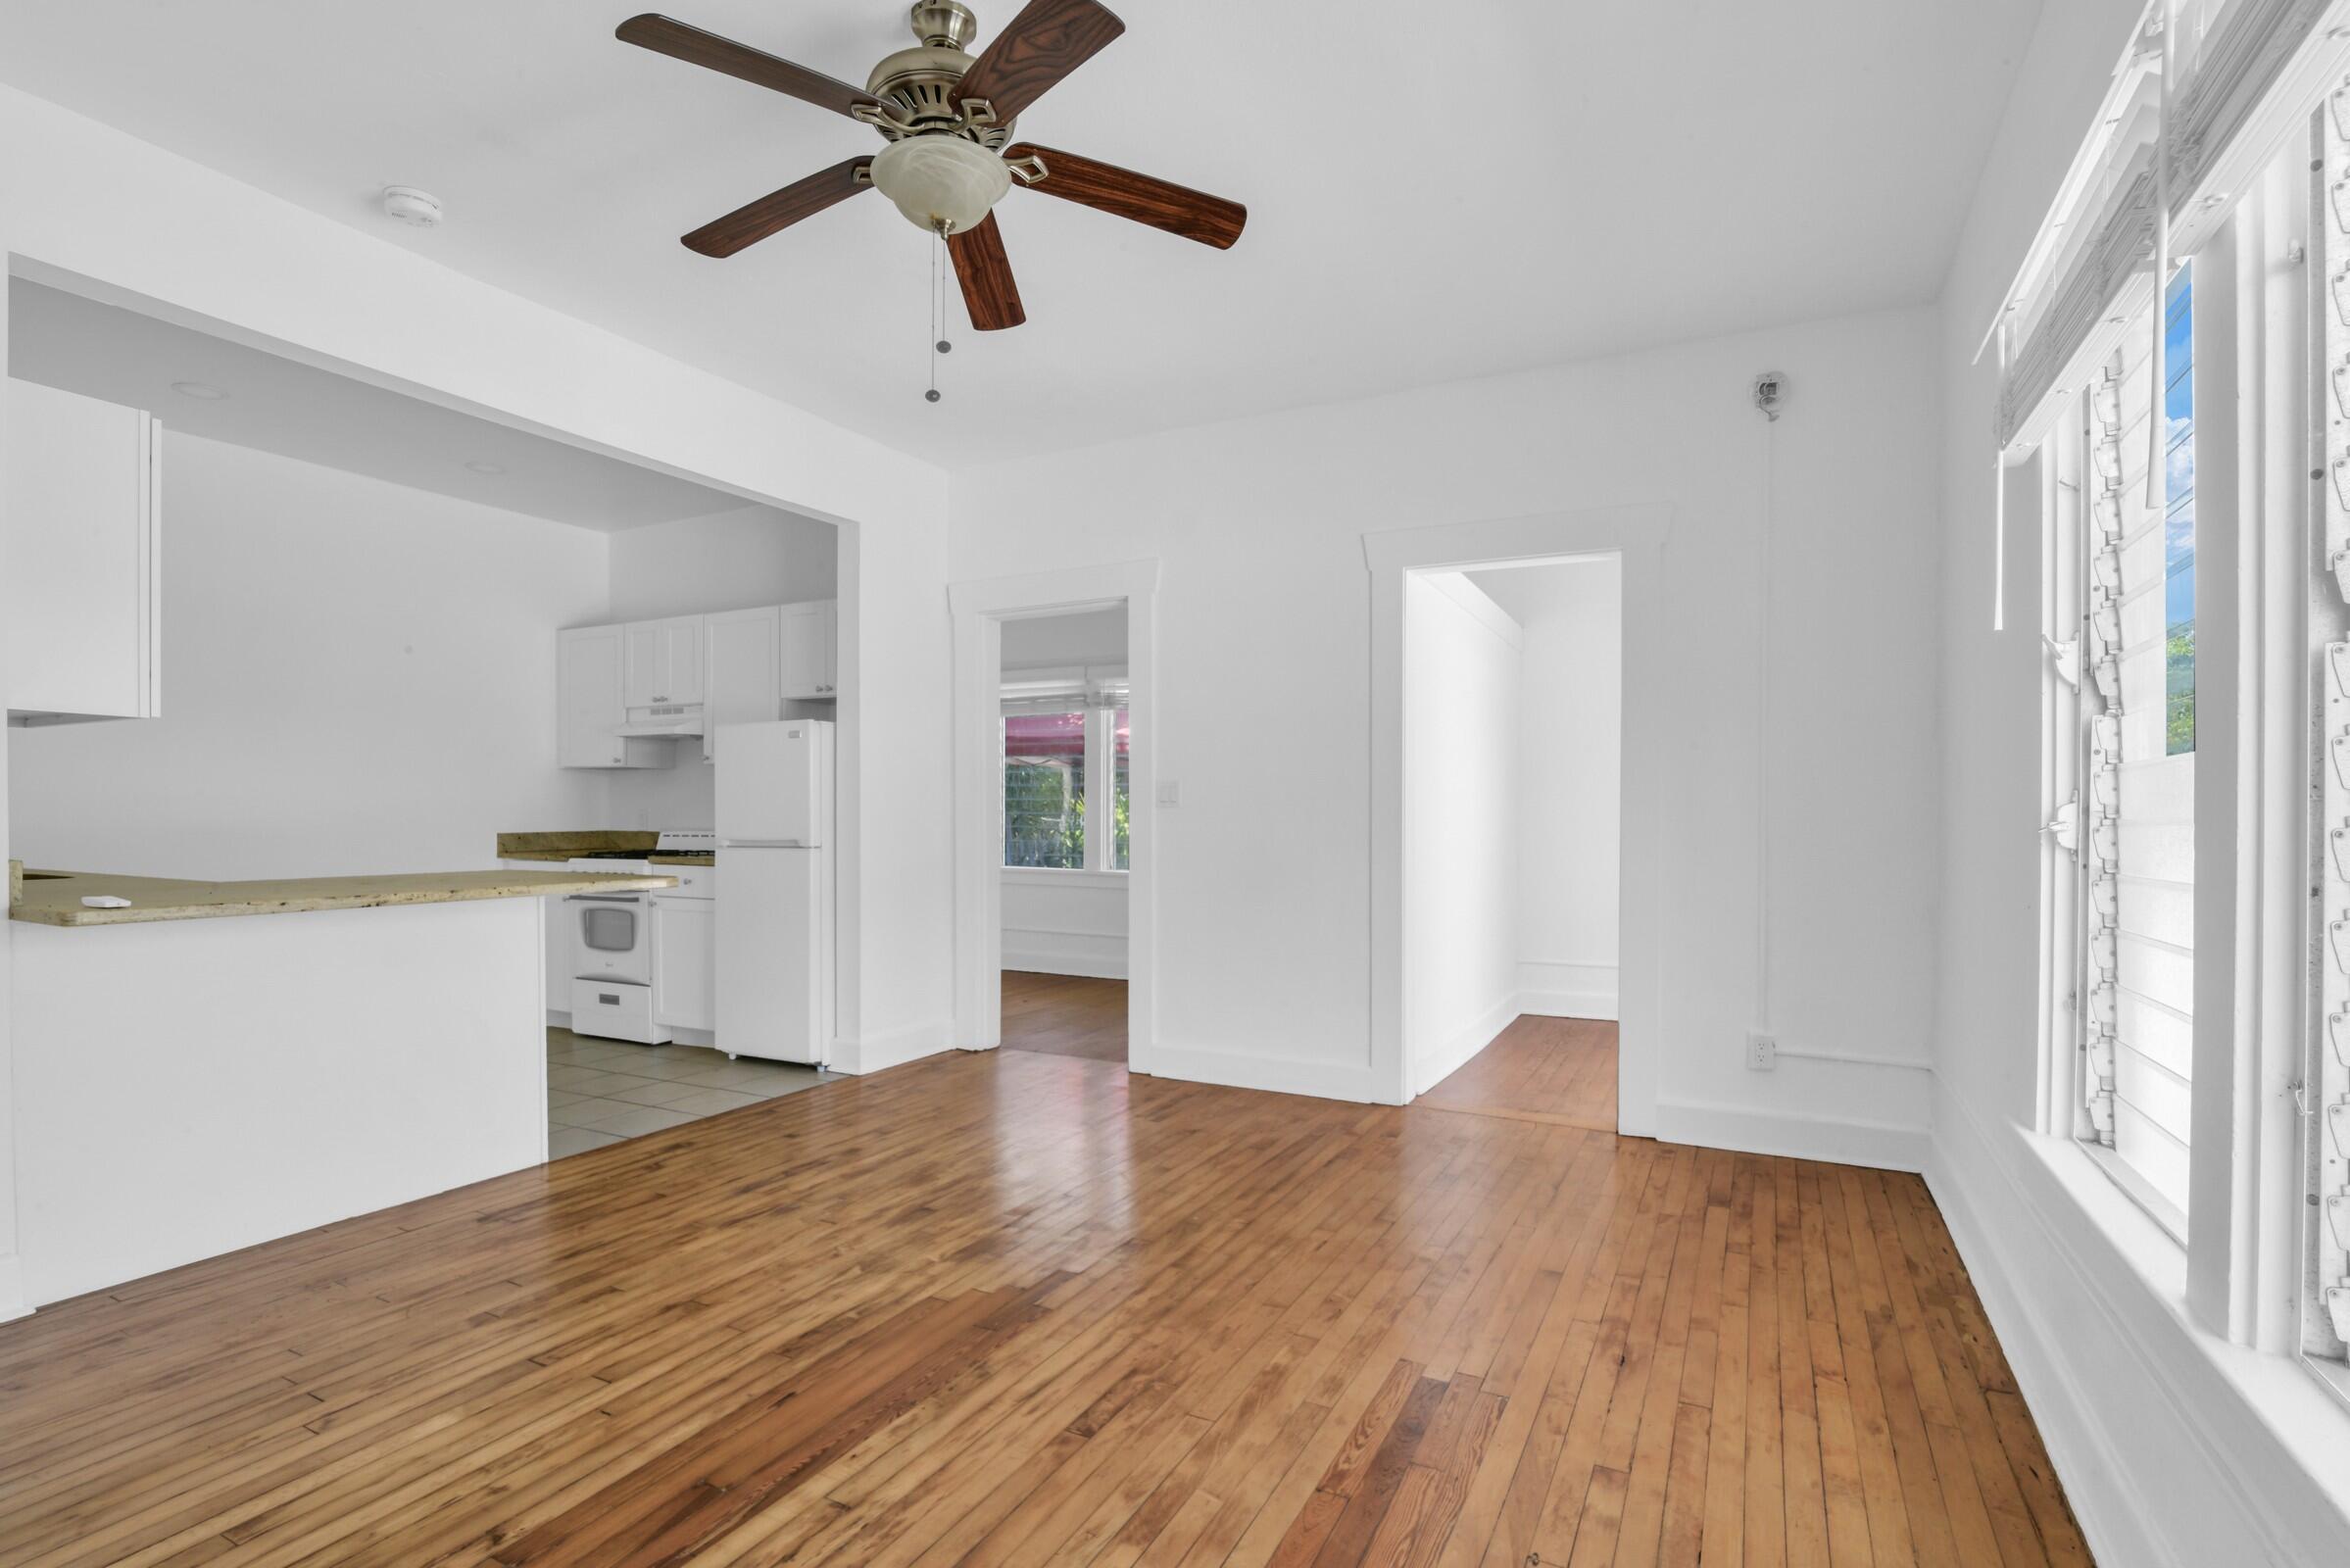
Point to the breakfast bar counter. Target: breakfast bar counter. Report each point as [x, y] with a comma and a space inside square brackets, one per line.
[190, 1084]
[55, 898]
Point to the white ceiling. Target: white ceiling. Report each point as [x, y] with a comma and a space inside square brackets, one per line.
[1436, 191]
[298, 411]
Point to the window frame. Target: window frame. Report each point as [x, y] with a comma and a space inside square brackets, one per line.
[2262, 573]
[1100, 694]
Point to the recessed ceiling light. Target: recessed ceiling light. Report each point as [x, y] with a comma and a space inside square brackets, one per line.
[203, 390]
[480, 465]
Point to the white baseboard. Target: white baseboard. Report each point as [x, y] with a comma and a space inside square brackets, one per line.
[1567, 990]
[558, 1018]
[875, 1053]
[1883, 1146]
[1037, 952]
[2175, 1450]
[1468, 1040]
[12, 1304]
[1281, 1075]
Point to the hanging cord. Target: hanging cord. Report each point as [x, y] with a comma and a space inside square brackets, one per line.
[2166, 11]
[938, 308]
[1762, 744]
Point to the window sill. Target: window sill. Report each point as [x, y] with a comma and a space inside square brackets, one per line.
[2135, 1187]
[1049, 877]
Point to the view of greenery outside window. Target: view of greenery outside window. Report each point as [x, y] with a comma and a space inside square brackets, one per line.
[2178, 518]
[1123, 731]
[1043, 791]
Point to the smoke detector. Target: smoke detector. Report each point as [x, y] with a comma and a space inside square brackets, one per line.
[418, 209]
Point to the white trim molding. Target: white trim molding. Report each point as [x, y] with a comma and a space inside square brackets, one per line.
[877, 1052]
[2176, 1448]
[980, 608]
[1637, 534]
[1558, 989]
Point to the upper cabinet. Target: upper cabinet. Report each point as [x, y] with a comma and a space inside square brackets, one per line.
[589, 708]
[808, 650]
[736, 666]
[84, 592]
[663, 663]
[742, 671]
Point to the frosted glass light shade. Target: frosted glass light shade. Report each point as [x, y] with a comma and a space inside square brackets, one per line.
[937, 179]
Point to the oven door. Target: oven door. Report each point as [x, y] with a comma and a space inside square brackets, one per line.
[612, 936]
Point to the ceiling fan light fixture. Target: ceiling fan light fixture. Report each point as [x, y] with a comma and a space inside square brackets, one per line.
[940, 180]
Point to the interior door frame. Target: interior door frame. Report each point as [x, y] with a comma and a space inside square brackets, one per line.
[1637, 534]
[980, 608]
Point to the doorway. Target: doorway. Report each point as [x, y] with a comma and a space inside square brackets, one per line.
[1513, 697]
[1055, 800]
[1068, 737]
[1449, 975]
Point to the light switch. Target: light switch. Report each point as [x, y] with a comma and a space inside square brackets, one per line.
[1170, 793]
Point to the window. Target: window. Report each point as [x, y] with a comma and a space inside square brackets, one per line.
[2179, 522]
[2118, 608]
[1043, 790]
[1064, 731]
[1124, 731]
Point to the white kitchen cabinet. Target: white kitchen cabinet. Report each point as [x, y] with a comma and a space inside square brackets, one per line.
[742, 670]
[84, 517]
[809, 659]
[589, 704]
[556, 945]
[685, 967]
[662, 663]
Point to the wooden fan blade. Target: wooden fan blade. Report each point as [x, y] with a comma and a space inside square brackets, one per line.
[691, 44]
[1160, 203]
[779, 210]
[985, 272]
[1044, 42]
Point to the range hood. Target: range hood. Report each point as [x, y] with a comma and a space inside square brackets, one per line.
[675, 720]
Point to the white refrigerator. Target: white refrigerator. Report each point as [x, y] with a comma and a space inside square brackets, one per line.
[775, 919]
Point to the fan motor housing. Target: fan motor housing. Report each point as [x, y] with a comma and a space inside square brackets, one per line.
[921, 82]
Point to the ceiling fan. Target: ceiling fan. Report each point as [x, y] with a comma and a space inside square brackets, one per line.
[947, 118]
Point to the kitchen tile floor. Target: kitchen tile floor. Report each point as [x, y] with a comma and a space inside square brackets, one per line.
[602, 1091]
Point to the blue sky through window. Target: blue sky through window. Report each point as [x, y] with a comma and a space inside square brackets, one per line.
[2178, 516]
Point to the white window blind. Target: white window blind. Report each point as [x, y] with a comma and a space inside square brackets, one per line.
[2230, 59]
[2326, 1320]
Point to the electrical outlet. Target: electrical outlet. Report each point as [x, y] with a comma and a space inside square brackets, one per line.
[1762, 1053]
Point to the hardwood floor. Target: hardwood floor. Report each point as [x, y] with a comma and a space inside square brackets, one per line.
[1065, 1015]
[1556, 1070]
[1020, 1308]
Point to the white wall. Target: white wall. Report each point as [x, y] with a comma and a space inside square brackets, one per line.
[1045, 642]
[734, 560]
[1570, 775]
[1462, 708]
[361, 678]
[2175, 1449]
[1263, 945]
[1064, 923]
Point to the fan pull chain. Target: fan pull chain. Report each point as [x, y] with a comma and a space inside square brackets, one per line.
[938, 310]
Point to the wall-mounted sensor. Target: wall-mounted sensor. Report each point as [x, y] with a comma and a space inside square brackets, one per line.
[1769, 391]
[418, 209]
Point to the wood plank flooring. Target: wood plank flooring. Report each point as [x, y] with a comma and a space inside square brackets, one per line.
[1022, 1308]
[1561, 1071]
[1066, 1015]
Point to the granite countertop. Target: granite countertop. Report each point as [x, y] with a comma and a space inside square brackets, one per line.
[54, 898]
[564, 843]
